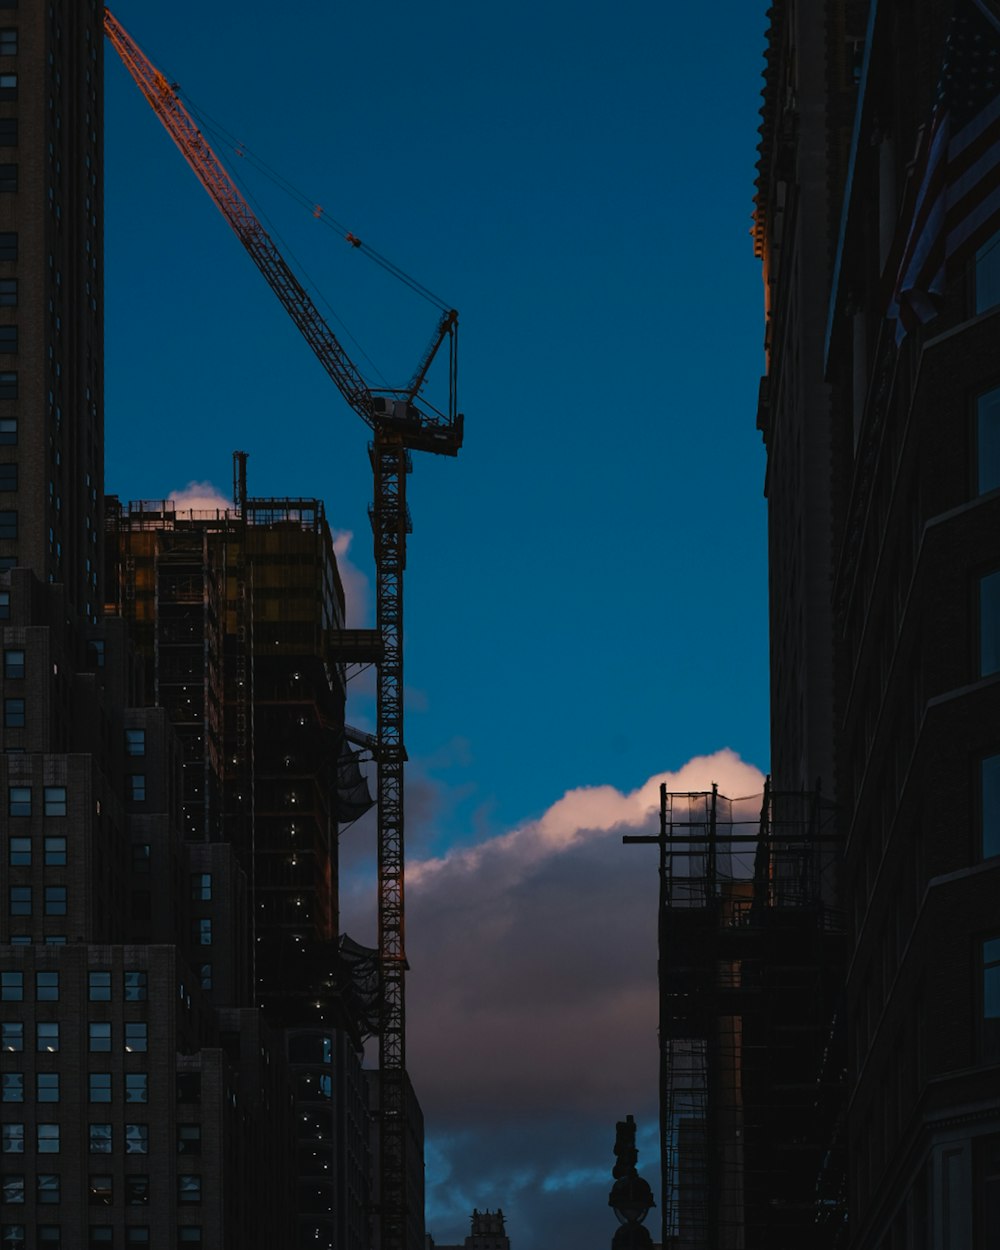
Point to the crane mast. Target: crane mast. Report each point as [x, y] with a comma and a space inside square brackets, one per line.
[398, 426]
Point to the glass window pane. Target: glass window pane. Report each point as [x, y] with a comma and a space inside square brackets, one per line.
[988, 275]
[989, 624]
[988, 440]
[137, 1139]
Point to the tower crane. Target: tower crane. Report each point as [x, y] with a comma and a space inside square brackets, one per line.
[399, 425]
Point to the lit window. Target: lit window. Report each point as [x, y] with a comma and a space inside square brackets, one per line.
[13, 1188]
[55, 852]
[137, 784]
[202, 931]
[12, 1138]
[46, 1086]
[135, 742]
[101, 1191]
[135, 986]
[18, 797]
[99, 1084]
[47, 1187]
[136, 1035]
[55, 800]
[100, 1139]
[100, 1034]
[55, 900]
[100, 987]
[47, 987]
[20, 900]
[137, 1139]
[11, 987]
[188, 1189]
[13, 663]
[11, 1035]
[989, 624]
[987, 275]
[136, 1087]
[47, 1035]
[47, 1139]
[13, 709]
[201, 885]
[991, 998]
[189, 1139]
[12, 1085]
[20, 852]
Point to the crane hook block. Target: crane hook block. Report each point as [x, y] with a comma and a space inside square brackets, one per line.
[352, 239]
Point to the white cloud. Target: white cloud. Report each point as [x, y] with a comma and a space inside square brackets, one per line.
[356, 586]
[200, 497]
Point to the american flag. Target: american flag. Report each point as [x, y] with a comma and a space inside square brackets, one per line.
[957, 208]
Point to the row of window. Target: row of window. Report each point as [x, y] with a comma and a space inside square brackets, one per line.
[47, 1139]
[55, 900]
[20, 798]
[101, 1189]
[54, 852]
[99, 1237]
[99, 1086]
[136, 1037]
[135, 983]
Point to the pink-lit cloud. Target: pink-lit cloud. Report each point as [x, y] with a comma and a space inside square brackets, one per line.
[200, 497]
[357, 594]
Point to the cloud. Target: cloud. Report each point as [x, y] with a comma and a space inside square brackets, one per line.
[199, 497]
[356, 585]
[532, 1004]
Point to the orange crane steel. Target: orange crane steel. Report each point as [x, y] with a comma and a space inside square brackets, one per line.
[398, 427]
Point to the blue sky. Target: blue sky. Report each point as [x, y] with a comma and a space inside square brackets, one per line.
[586, 585]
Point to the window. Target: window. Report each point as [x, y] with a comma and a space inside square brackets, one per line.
[19, 797]
[137, 1235]
[55, 939]
[989, 624]
[13, 709]
[55, 800]
[189, 1235]
[201, 886]
[12, 1138]
[12, 1086]
[140, 858]
[189, 1139]
[135, 742]
[136, 1087]
[12, 1035]
[12, 1236]
[19, 852]
[47, 1036]
[101, 1191]
[100, 987]
[8, 88]
[136, 1038]
[8, 42]
[136, 1190]
[989, 805]
[20, 900]
[8, 335]
[100, 1139]
[47, 987]
[100, 1086]
[11, 987]
[205, 976]
[991, 998]
[47, 1139]
[47, 1187]
[8, 520]
[101, 1236]
[4, 594]
[13, 1187]
[46, 1086]
[13, 661]
[100, 1035]
[135, 986]
[8, 245]
[8, 288]
[188, 1086]
[8, 128]
[988, 438]
[137, 783]
[987, 275]
[202, 931]
[55, 900]
[188, 1189]
[49, 1235]
[137, 1139]
[8, 480]
[8, 431]
[55, 852]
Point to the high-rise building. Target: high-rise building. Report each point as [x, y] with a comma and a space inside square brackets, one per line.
[878, 227]
[51, 295]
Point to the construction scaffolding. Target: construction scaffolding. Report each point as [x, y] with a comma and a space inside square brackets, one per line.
[751, 950]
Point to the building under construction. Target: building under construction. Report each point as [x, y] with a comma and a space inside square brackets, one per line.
[751, 1056]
